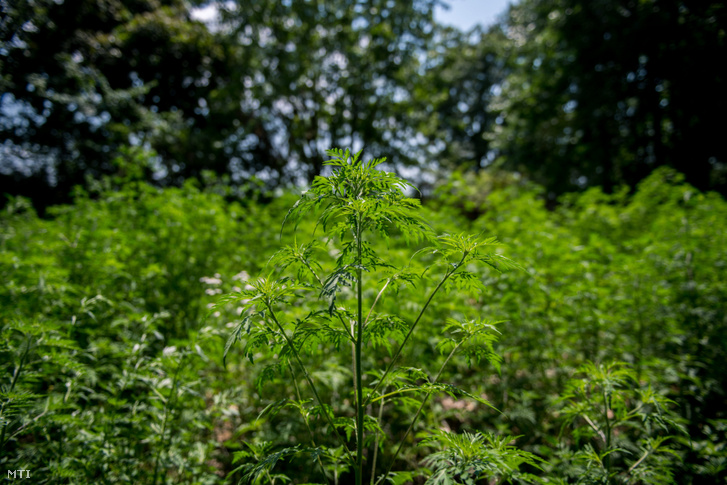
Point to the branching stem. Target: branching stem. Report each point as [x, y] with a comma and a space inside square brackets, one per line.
[310, 268]
[368, 316]
[307, 424]
[643, 457]
[307, 378]
[594, 427]
[348, 330]
[411, 329]
[394, 393]
[16, 376]
[167, 407]
[376, 442]
[416, 416]
[357, 357]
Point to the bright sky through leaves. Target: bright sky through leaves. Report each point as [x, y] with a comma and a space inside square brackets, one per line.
[461, 13]
[466, 13]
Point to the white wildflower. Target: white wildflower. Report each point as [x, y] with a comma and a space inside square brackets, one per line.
[211, 281]
[241, 276]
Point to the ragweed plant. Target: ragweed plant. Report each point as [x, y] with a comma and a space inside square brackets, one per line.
[356, 204]
[625, 431]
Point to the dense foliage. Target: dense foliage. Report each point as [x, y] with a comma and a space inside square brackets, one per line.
[158, 326]
[571, 93]
[601, 92]
[81, 80]
[356, 203]
[611, 345]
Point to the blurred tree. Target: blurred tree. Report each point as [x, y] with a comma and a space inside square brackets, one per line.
[572, 93]
[263, 91]
[603, 91]
[81, 78]
[317, 74]
[463, 75]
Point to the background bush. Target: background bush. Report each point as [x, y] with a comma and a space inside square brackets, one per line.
[112, 373]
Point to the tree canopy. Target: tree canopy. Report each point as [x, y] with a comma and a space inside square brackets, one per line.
[83, 79]
[569, 93]
[602, 92]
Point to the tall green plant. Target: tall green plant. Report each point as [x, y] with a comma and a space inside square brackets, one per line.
[355, 204]
[625, 432]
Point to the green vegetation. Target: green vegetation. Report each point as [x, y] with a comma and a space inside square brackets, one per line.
[355, 200]
[605, 368]
[571, 93]
[197, 291]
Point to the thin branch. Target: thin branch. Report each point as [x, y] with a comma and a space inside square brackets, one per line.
[368, 317]
[411, 330]
[310, 268]
[643, 457]
[416, 416]
[307, 424]
[376, 443]
[357, 361]
[307, 378]
[348, 330]
[34, 420]
[394, 393]
[595, 428]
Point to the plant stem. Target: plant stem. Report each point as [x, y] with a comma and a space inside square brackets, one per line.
[643, 457]
[416, 416]
[411, 330]
[606, 406]
[167, 406]
[310, 268]
[307, 424]
[348, 330]
[307, 378]
[16, 376]
[357, 358]
[394, 393]
[376, 443]
[320, 282]
[368, 316]
[595, 428]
